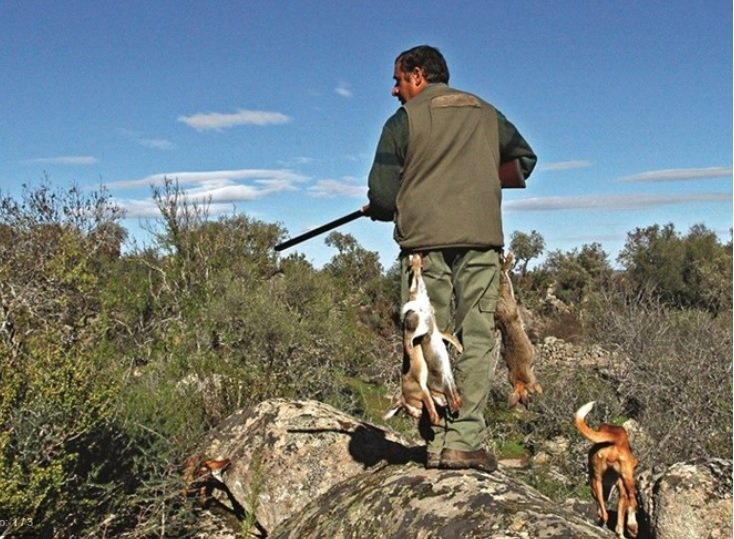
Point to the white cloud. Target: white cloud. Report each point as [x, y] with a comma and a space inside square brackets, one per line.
[139, 138]
[338, 188]
[136, 208]
[212, 177]
[220, 189]
[298, 160]
[678, 174]
[217, 120]
[566, 165]
[611, 202]
[344, 89]
[156, 143]
[65, 160]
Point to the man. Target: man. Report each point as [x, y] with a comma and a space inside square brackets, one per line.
[435, 174]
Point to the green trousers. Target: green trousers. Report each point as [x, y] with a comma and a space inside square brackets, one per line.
[463, 286]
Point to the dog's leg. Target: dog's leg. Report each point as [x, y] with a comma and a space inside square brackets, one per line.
[627, 480]
[621, 507]
[597, 490]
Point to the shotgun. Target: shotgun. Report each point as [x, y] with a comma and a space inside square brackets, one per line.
[510, 173]
[323, 228]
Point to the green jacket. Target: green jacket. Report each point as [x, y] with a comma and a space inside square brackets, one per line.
[435, 170]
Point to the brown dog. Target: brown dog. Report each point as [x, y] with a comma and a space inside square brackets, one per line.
[611, 453]
[427, 374]
[517, 350]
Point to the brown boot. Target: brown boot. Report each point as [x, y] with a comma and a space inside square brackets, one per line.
[480, 459]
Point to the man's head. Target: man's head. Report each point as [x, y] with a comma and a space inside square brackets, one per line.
[415, 69]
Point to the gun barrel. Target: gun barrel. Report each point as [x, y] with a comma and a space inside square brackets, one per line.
[320, 230]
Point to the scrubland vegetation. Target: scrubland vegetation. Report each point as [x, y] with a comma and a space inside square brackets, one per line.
[114, 365]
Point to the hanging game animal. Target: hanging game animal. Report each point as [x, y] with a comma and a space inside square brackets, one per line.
[427, 378]
[517, 350]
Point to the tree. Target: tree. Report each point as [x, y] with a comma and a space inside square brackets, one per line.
[694, 270]
[358, 274]
[526, 247]
[353, 264]
[578, 273]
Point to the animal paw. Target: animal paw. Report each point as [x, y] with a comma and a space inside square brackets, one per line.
[522, 393]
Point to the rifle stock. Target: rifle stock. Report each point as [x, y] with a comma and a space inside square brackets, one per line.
[511, 176]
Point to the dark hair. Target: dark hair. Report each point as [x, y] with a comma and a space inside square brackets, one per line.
[427, 58]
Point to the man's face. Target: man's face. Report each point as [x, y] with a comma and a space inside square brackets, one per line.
[407, 85]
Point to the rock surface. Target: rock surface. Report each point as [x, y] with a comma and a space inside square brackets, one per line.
[284, 454]
[305, 469]
[693, 500]
[409, 501]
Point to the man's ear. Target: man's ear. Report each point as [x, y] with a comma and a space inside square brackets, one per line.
[418, 76]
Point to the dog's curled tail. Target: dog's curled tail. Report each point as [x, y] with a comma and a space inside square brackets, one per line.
[590, 434]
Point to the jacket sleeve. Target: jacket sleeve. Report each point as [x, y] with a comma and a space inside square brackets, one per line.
[514, 146]
[387, 167]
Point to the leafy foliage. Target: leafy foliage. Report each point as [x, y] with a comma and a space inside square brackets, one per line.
[55, 395]
[526, 247]
[579, 273]
[694, 270]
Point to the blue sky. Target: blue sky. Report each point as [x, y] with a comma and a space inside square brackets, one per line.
[275, 108]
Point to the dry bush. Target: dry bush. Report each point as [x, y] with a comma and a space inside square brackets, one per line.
[678, 384]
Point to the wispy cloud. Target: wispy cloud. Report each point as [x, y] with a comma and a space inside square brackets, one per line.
[346, 187]
[138, 208]
[221, 189]
[611, 202]
[73, 160]
[139, 138]
[565, 165]
[213, 177]
[678, 174]
[217, 120]
[344, 89]
[298, 160]
[156, 143]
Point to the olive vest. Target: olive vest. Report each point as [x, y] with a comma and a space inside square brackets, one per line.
[450, 193]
